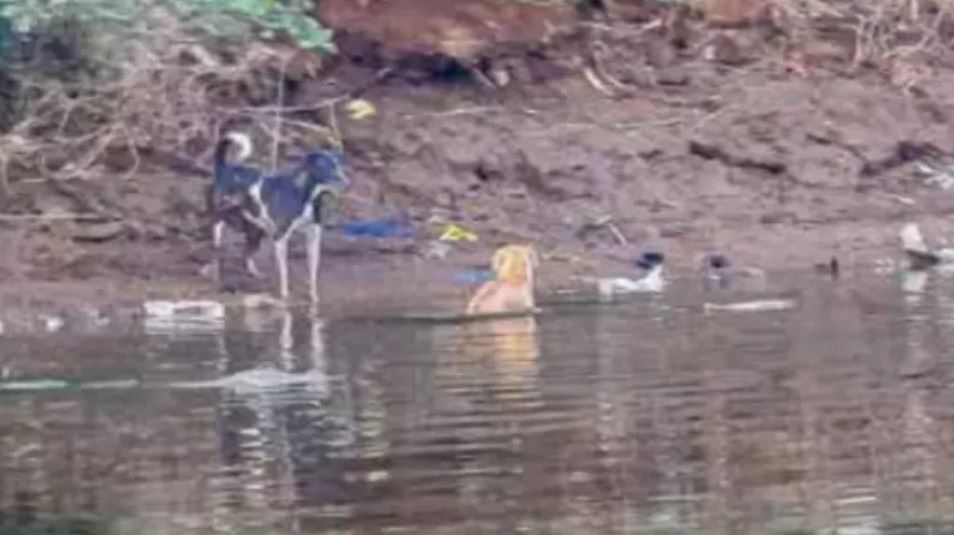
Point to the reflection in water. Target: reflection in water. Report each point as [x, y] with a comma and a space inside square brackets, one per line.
[509, 347]
[650, 417]
[258, 432]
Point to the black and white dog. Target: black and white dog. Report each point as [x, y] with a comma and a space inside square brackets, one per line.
[263, 205]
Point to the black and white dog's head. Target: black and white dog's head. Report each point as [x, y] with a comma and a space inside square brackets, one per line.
[326, 168]
[321, 175]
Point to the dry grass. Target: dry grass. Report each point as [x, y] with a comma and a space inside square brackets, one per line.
[165, 91]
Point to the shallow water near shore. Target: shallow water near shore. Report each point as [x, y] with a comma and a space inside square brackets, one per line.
[657, 415]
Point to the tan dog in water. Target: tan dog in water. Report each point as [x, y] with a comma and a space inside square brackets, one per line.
[512, 287]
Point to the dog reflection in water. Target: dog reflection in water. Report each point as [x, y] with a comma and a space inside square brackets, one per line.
[515, 346]
[511, 290]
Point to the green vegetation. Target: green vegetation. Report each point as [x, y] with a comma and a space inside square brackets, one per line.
[6, 36]
[231, 21]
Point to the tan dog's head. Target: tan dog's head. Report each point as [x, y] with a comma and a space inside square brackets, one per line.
[514, 263]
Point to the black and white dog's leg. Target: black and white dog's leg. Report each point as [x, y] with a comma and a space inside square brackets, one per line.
[218, 230]
[313, 245]
[213, 269]
[281, 263]
[253, 241]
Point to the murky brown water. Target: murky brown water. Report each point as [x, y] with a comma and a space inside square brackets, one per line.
[653, 416]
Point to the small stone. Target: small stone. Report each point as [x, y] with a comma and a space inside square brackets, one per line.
[674, 77]
[675, 231]
[723, 49]
[98, 232]
[773, 218]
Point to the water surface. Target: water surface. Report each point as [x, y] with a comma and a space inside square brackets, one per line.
[653, 416]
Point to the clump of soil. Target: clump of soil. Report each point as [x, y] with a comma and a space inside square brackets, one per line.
[590, 135]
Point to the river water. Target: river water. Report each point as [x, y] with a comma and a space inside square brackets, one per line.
[656, 415]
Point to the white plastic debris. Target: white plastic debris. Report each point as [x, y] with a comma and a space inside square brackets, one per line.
[166, 316]
[751, 306]
[261, 301]
[50, 323]
[186, 309]
[110, 384]
[34, 384]
[257, 380]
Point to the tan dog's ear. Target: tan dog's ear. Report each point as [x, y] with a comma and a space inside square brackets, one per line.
[499, 259]
[534, 257]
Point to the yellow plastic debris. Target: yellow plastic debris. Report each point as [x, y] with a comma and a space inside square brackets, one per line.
[455, 232]
[360, 109]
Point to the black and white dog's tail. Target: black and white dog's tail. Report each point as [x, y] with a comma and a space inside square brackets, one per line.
[228, 175]
[238, 139]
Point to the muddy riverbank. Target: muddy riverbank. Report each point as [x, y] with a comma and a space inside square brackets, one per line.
[676, 146]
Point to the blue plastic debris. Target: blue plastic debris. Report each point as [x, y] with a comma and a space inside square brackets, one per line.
[474, 276]
[377, 228]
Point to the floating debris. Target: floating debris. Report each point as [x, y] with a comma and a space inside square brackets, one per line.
[110, 384]
[751, 306]
[34, 384]
[258, 380]
[194, 309]
[23, 385]
[164, 316]
[50, 323]
[261, 301]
